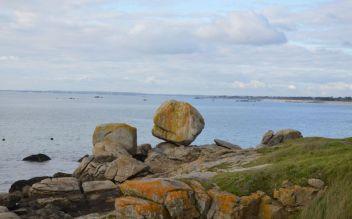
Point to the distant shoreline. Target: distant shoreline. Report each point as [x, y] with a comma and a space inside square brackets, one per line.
[302, 99]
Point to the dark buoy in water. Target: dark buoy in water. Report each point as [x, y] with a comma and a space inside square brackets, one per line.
[3, 139]
[52, 139]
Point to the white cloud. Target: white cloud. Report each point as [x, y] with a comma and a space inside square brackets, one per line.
[242, 28]
[291, 87]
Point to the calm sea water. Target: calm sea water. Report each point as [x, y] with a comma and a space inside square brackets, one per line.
[29, 120]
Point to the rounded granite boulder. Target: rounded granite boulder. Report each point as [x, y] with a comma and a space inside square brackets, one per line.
[177, 122]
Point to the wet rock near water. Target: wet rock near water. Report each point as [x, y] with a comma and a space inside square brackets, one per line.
[37, 158]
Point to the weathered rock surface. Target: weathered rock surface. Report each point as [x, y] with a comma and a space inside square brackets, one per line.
[270, 138]
[123, 168]
[137, 208]
[226, 144]
[55, 187]
[3, 209]
[116, 136]
[295, 196]
[177, 122]
[37, 158]
[93, 168]
[101, 194]
[108, 148]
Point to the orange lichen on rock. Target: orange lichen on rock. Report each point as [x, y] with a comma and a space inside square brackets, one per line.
[152, 189]
[180, 204]
[177, 122]
[223, 204]
[131, 207]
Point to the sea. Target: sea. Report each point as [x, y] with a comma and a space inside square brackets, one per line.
[30, 120]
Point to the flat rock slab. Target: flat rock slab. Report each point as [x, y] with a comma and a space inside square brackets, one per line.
[97, 186]
[55, 186]
[226, 144]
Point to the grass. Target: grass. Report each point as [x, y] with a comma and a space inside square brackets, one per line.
[222, 166]
[297, 161]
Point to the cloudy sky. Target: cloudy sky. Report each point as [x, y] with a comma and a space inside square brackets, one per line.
[233, 47]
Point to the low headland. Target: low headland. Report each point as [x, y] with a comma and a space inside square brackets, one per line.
[285, 176]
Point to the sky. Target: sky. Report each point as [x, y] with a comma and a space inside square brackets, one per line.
[210, 47]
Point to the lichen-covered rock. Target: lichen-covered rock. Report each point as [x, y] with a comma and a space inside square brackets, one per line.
[203, 200]
[123, 168]
[249, 205]
[118, 135]
[177, 122]
[180, 204]
[153, 189]
[55, 187]
[223, 205]
[269, 209]
[137, 208]
[295, 196]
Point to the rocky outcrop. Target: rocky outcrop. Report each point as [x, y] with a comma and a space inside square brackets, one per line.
[37, 158]
[106, 167]
[114, 138]
[270, 138]
[170, 198]
[177, 122]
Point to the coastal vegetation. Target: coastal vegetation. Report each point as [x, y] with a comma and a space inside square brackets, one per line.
[297, 161]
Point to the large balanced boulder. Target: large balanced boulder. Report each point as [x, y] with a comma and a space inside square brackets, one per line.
[114, 138]
[271, 139]
[177, 122]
